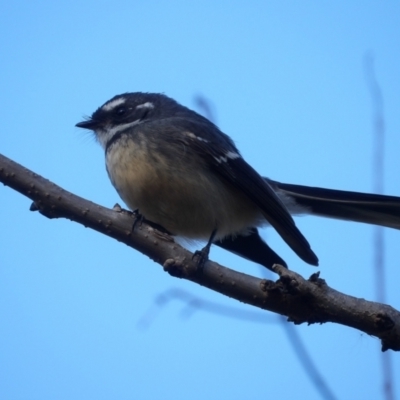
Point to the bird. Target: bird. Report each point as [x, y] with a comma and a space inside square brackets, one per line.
[178, 170]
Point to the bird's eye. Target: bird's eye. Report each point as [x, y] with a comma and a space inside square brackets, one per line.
[120, 111]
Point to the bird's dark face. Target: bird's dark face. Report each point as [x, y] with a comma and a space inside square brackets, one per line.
[127, 110]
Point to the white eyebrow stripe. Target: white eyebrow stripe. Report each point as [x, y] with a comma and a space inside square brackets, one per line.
[148, 104]
[114, 103]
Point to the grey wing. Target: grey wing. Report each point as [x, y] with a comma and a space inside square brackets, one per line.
[224, 159]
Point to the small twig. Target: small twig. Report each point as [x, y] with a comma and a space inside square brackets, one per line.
[194, 304]
[379, 238]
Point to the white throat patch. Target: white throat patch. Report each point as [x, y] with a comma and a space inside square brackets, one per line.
[105, 135]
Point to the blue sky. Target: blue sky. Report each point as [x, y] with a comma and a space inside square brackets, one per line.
[287, 83]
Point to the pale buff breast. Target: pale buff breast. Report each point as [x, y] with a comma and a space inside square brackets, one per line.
[177, 193]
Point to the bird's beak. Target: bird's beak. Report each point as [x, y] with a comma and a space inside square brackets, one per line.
[89, 124]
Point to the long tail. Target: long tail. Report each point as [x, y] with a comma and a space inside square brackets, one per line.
[359, 207]
[352, 206]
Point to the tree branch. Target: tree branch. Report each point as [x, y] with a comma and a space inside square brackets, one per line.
[301, 300]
